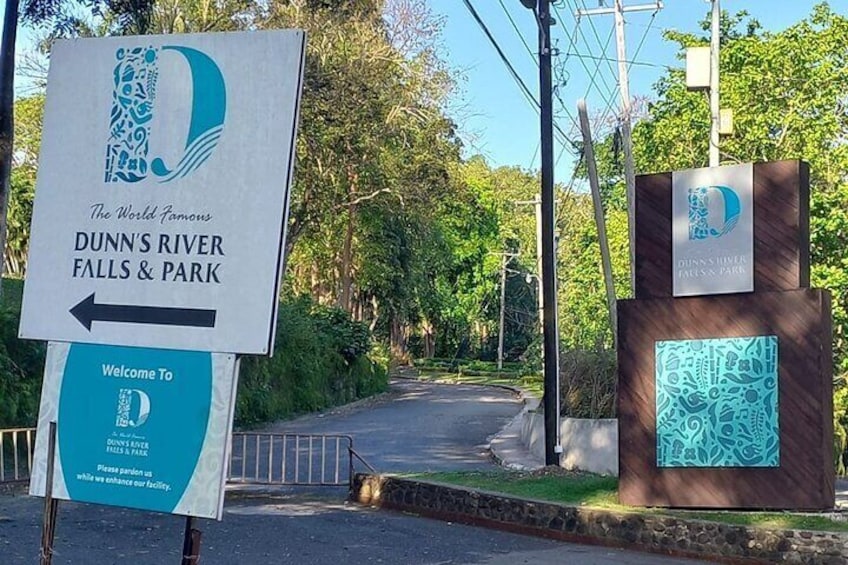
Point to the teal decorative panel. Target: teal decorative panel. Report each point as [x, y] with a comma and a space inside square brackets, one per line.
[717, 402]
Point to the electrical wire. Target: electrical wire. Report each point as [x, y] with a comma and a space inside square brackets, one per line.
[518, 32]
[642, 42]
[592, 74]
[630, 62]
[515, 76]
[604, 46]
[513, 73]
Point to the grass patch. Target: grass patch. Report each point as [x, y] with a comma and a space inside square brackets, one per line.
[595, 491]
[565, 487]
[532, 384]
[773, 520]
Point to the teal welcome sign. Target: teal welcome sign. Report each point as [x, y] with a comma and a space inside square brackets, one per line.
[138, 428]
[717, 402]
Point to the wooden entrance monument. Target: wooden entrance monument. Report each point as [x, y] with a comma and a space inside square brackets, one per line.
[725, 357]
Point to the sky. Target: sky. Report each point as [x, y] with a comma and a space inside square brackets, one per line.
[498, 121]
[494, 117]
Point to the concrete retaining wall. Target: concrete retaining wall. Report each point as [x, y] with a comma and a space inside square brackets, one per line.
[587, 445]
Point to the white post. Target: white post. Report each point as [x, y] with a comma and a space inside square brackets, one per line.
[600, 222]
[715, 159]
[503, 306]
[627, 142]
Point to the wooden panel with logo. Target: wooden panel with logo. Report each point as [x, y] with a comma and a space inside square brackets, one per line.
[781, 229]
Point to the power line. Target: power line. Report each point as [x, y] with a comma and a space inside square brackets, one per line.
[636, 55]
[518, 32]
[516, 77]
[629, 62]
[597, 36]
[591, 74]
[612, 91]
[609, 97]
[642, 42]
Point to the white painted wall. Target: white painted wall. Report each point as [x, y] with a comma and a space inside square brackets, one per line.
[587, 444]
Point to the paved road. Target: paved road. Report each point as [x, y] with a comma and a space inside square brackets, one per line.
[419, 426]
[415, 427]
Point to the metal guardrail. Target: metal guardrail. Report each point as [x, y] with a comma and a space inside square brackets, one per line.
[292, 459]
[255, 458]
[16, 447]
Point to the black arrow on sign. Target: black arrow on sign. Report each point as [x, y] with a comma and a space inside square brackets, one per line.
[89, 311]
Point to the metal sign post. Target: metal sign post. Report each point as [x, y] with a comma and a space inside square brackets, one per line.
[48, 526]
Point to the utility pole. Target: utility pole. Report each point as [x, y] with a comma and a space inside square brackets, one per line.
[715, 159]
[550, 349]
[551, 353]
[629, 168]
[624, 87]
[540, 298]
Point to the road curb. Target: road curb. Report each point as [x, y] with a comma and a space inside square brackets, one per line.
[506, 447]
[723, 543]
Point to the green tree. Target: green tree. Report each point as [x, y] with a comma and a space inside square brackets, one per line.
[199, 16]
[374, 150]
[488, 213]
[29, 112]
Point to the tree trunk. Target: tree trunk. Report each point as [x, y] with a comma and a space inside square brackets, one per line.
[346, 275]
[429, 339]
[315, 286]
[7, 122]
[375, 314]
[397, 340]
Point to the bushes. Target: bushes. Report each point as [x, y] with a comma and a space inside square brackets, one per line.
[320, 360]
[21, 364]
[588, 380]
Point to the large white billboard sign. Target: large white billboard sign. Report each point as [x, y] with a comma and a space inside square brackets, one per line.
[163, 187]
[713, 230]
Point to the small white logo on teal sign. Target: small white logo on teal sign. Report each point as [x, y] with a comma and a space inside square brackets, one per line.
[706, 219]
[136, 74]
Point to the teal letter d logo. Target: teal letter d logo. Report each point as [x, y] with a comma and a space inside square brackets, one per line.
[135, 77]
[713, 211]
